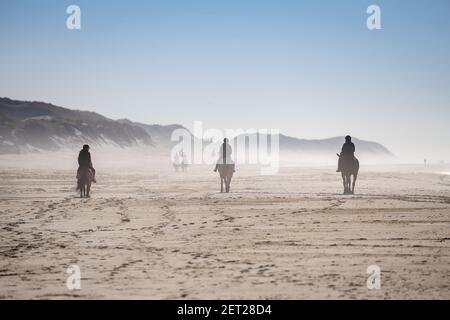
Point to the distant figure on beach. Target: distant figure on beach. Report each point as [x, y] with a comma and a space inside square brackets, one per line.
[85, 161]
[348, 165]
[225, 152]
[225, 165]
[180, 161]
[85, 172]
[347, 152]
[425, 162]
[176, 162]
[183, 163]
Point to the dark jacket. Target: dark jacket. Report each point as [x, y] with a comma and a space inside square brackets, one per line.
[84, 159]
[348, 149]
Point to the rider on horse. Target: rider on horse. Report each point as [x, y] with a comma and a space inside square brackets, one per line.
[347, 152]
[84, 161]
[225, 155]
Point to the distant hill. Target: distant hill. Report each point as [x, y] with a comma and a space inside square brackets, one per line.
[325, 148]
[161, 134]
[27, 126]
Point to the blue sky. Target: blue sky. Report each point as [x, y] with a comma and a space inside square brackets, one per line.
[309, 68]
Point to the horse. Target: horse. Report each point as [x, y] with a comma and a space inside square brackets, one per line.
[84, 182]
[349, 167]
[184, 166]
[226, 173]
[181, 165]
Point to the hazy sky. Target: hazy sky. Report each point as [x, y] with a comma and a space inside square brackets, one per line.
[309, 68]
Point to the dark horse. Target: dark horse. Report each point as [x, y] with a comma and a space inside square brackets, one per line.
[350, 167]
[226, 173]
[84, 182]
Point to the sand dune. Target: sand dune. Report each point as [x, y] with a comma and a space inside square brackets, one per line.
[161, 235]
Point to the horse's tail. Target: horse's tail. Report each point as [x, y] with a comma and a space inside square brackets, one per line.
[356, 166]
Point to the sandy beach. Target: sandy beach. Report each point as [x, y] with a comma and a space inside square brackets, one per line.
[140, 89]
[162, 235]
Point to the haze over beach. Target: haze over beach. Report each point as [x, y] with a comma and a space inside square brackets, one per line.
[153, 87]
[38, 127]
[309, 68]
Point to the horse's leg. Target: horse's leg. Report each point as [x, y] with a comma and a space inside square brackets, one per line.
[88, 189]
[230, 176]
[349, 184]
[344, 182]
[355, 176]
[225, 180]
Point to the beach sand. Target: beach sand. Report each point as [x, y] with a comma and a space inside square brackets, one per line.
[160, 235]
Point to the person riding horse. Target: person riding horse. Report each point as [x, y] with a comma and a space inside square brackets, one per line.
[225, 165]
[347, 152]
[225, 155]
[84, 161]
